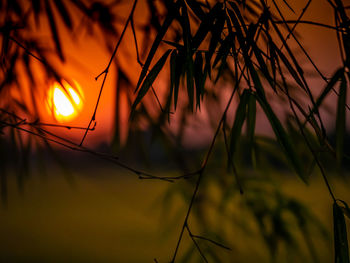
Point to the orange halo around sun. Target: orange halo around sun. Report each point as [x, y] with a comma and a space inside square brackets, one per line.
[64, 103]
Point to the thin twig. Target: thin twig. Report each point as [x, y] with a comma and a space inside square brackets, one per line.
[28, 51]
[205, 162]
[295, 22]
[212, 241]
[105, 72]
[196, 244]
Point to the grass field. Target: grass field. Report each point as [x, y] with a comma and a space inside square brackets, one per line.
[107, 215]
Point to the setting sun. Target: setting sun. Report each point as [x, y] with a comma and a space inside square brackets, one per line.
[65, 102]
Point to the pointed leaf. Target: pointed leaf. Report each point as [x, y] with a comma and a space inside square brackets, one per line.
[62, 10]
[238, 122]
[173, 69]
[178, 72]
[341, 121]
[197, 9]
[216, 33]
[199, 77]
[54, 31]
[224, 49]
[283, 138]
[166, 24]
[206, 25]
[152, 75]
[328, 88]
[288, 65]
[251, 117]
[187, 38]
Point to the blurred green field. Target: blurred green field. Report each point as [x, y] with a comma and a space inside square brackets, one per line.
[107, 215]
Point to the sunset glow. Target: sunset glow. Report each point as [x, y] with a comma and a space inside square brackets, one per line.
[64, 103]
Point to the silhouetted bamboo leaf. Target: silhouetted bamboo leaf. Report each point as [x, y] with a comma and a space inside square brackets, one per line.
[298, 78]
[224, 49]
[65, 15]
[335, 78]
[216, 31]
[37, 8]
[178, 67]
[199, 78]
[341, 121]
[197, 9]
[53, 28]
[187, 38]
[288, 65]
[283, 138]
[238, 122]
[16, 7]
[206, 25]
[238, 15]
[251, 120]
[166, 24]
[223, 53]
[173, 81]
[152, 75]
[341, 249]
[273, 57]
[256, 80]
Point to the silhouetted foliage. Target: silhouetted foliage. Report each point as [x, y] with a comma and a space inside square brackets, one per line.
[202, 45]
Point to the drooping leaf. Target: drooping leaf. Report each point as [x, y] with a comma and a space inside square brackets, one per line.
[341, 121]
[54, 31]
[197, 9]
[152, 75]
[238, 15]
[224, 49]
[335, 78]
[173, 81]
[238, 122]
[164, 28]
[206, 25]
[37, 8]
[199, 77]
[178, 68]
[216, 31]
[251, 120]
[341, 249]
[288, 65]
[187, 38]
[65, 15]
[282, 138]
[256, 80]
[226, 45]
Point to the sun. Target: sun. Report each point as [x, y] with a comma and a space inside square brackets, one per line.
[64, 102]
